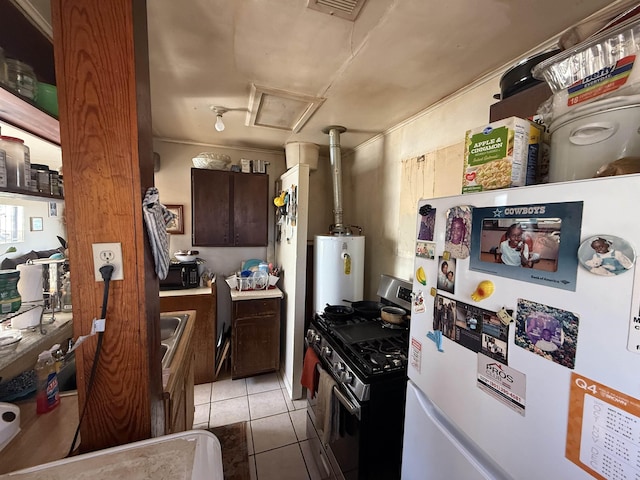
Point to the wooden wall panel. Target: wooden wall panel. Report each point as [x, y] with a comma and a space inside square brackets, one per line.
[102, 70]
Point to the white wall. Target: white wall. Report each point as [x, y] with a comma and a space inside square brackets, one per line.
[36, 240]
[386, 180]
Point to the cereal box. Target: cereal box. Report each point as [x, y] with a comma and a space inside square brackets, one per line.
[500, 155]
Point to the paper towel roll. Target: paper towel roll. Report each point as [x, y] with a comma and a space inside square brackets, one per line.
[30, 282]
[27, 319]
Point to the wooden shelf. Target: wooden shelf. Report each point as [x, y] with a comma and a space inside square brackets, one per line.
[7, 192]
[24, 114]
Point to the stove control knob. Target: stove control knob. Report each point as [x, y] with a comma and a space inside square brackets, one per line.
[312, 337]
[326, 351]
[346, 377]
[339, 367]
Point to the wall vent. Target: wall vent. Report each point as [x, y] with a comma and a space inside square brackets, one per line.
[347, 9]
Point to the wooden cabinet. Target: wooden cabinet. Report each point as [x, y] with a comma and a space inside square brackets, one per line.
[230, 209]
[255, 337]
[178, 392]
[205, 303]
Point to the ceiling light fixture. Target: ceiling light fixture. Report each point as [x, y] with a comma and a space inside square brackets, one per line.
[219, 111]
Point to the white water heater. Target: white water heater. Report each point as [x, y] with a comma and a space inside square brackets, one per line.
[338, 267]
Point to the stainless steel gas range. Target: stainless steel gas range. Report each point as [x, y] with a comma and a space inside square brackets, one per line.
[367, 358]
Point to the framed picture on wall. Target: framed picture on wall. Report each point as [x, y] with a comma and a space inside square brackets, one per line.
[35, 224]
[177, 226]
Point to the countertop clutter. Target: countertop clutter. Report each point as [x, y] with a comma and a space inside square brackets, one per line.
[23, 356]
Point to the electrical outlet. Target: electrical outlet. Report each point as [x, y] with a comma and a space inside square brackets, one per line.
[107, 254]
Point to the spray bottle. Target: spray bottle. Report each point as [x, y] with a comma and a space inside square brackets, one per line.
[48, 395]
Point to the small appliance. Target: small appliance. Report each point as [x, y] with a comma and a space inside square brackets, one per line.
[181, 275]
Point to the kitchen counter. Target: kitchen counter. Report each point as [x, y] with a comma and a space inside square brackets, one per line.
[255, 294]
[186, 291]
[28, 448]
[24, 355]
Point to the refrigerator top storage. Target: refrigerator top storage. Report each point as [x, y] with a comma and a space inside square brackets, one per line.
[534, 408]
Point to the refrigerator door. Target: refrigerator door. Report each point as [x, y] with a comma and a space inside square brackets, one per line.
[434, 448]
[533, 442]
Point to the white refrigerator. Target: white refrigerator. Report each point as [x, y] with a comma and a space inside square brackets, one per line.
[524, 350]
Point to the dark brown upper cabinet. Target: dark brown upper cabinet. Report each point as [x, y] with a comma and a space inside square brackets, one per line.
[230, 209]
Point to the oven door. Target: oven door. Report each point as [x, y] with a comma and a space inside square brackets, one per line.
[343, 448]
[345, 444]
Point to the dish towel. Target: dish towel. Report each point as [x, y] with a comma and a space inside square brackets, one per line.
[157, 217]
[310, 375]
[327, 412]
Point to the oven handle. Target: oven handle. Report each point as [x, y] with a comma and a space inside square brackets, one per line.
[352, 407]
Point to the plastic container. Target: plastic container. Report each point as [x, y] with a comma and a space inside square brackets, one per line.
[21, 78]
[47, 391]
[302, 152]
[591, 59]
[47, 98]
[14, 148]
[593, 135]
[10, 299]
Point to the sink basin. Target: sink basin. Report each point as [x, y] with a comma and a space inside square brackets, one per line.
[168, 326]
[171, 327]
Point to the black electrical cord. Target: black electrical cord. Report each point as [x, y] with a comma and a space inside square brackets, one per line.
[106, 271]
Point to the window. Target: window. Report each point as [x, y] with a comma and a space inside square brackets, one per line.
[11, 224]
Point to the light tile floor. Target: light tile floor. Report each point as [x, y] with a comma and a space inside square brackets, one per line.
[276, 425]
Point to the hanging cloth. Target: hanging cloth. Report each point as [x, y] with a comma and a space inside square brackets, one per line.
[157, 217]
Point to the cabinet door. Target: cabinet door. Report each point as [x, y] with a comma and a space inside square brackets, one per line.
[255, 346]
[211, 208]
[250, 210]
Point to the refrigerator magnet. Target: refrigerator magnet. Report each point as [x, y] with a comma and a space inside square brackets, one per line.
[427, 223]
[418, 302]
[606, 255]
[458, 232]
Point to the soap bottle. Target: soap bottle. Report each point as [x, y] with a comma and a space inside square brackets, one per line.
[58, 356]
[48, 395]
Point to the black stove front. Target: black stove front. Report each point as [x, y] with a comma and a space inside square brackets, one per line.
[368, 360]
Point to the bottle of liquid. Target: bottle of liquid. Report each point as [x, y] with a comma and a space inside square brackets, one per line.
[48, 395]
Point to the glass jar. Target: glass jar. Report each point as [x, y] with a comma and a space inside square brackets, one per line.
[14, 148]
[41, 177]
[53, 182]
[10, 299]
[21, 78]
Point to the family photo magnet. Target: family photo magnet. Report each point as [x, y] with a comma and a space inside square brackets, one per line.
[606, 255]
[458, 232]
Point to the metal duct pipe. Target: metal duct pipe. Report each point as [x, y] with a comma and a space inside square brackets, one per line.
[334, 131]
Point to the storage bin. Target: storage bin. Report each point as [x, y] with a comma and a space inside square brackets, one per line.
[593, 135]
[302, 152]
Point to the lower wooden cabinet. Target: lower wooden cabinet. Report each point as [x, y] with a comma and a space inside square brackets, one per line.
[179, 406]
[204, 336]
[255, 337]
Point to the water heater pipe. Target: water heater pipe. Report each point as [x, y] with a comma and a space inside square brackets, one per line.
[334, 131]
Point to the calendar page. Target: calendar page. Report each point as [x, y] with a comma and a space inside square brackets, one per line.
[603, 432]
